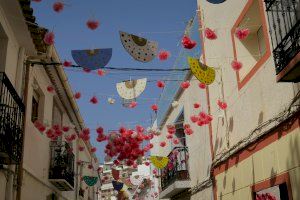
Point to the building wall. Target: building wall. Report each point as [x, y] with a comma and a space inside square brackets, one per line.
[253, 97]
[14, 36]
[197, 143]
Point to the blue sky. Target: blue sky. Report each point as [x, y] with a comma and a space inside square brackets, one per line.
[161, 20]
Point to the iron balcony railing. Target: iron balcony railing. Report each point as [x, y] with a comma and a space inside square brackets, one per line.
[177, 169]
[284, 23]
[62, 162]
[12, 112]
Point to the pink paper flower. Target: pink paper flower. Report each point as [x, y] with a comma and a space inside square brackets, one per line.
[58, 7]
[210, 34]
[49, 38]
[236, 65]
[242, 33]
[92, 24]
[164, 55]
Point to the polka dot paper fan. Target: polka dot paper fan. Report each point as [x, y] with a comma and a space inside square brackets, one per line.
[139, 48]
[203, 73]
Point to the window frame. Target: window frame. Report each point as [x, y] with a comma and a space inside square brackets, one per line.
[274, 181]
[265, 57]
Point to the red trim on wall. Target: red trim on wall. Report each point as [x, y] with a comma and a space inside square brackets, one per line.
[288, 68]
[208, 101]
[255, 68]
[281, 131]
[277, 180]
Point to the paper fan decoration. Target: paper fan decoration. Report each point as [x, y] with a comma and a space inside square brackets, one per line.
[115, 174]
[117, 185]
[202, 72]
[90, 180]
[159, 161]
[130, 90]
[136, 179]
[92, 58]
[139, 48]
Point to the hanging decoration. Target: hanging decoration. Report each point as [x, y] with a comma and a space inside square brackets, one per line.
[159, 162]
[50, 89]
[185, 85]
[222, 105]
[117, 185]
[236, 65]
[210, 34]
[49, 38]
[115, 174]
[154, 107]
[160, 84]
[92, 59]
[164, 55]
[242, 33]
[94, 100]
[58, 6]
[196, 105]
[136, 179]
[67, 63]
[266, 196]
[101, 72]
[92, 24]
[203, 73]
[139, 48]
[77, 95]
[202, 85]
[163, 144]
[111, 101]
[90, 180]
[129, 90]
[188, 43]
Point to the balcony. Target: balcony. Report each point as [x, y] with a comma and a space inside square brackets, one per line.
[61, 171]
[175, 179]
[12, 112]
[284, 23]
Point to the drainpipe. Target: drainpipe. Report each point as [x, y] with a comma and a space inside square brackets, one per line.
[19, 72]
[20, 167]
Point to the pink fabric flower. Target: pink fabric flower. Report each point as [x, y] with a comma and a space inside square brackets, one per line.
[210, 34]
[67, 63]
[188, 43]
[101, 72]
[49, 38]
[58, 7]
[160, 84]
[94, 100]
[77, 95]
[185, 85]
[196, 105]
[222, 105]
[163, 144]
[133, 104]
[236, 65]
[202, 85]
[92, 24]
[242, 33]
[164, 55]
[154, 107]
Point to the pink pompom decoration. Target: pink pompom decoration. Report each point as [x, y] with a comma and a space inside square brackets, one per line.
[67, 63]
[202, 85]
[49, 38]
[242, 33]
[163, 144]
[94, 100]
[154, 107]
[77, 95]
[185, 85]
[188, 43]
[169, 136]
[132, 104]
[175, 141]
[222, 105]
[58, 7]
[210, 34]
[101, 72]
[236, 65]
[160, 84]
[196, 105]
[194, 118]
[50, 89]
[163, 55]
[93, 149]
[92, 24]
[188, 131]
[87, 70]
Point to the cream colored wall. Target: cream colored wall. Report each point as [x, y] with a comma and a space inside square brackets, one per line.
[259, 100]
[198, 143]
[275, 159]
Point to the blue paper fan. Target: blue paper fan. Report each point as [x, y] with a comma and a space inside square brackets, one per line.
[117, 185]
[92, 58]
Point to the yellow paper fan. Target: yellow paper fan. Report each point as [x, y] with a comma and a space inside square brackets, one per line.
[159, 162]
[203, 73]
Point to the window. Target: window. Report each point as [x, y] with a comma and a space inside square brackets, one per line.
[180, 130]
[280, 192]
[277, 187]
[254, 50]
[56, 115]
[35, 106]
